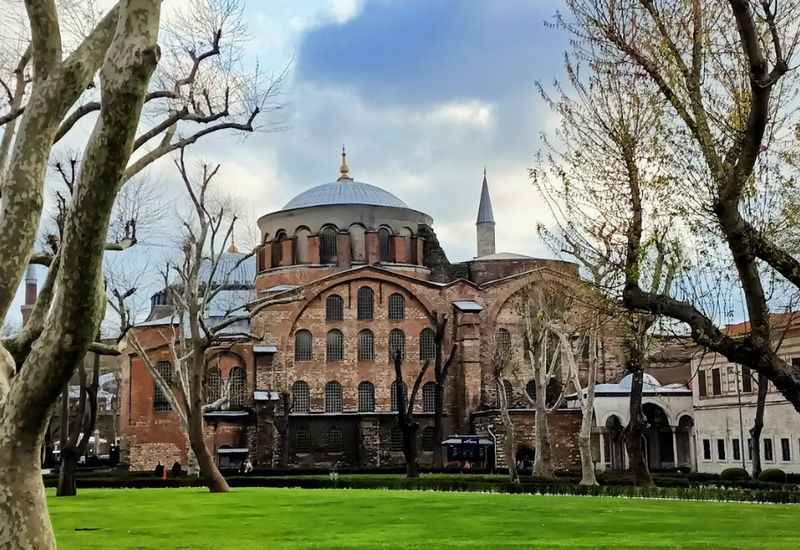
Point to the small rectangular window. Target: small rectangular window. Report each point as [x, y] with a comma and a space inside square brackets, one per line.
[706, 449]
[716, 382]
[749, 449]
[737, 452]
[747, 380]
[701, 383]
[721, 449]
[768, 455]
[786, 450]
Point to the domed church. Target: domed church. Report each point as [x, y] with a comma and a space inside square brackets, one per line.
[347, 275]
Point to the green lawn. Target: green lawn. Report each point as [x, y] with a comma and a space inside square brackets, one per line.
[278, 519]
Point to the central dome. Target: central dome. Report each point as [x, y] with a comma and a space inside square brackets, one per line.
[344, 192]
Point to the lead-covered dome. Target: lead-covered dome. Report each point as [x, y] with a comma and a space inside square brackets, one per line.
[344, 191]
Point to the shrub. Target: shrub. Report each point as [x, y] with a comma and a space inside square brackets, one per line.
[734, 474]
[772, 475]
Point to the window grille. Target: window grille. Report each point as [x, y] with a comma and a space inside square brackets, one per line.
[396, 443]
[213, 384]
[334, 443]
[334, 346]
[530, 389]
[427, 438]
[302, 440]
[427, 345]
[366, 397]
[302, 346]
[397, 342]
[384, 244]
[366, 345]
[395, 400]
[503, 341]
[334, 308]
[327, 245]
[366, 297]
[301, 398]
[333, 397]
[160, 401]
[236, 386]
[429, 397]
[397, 307]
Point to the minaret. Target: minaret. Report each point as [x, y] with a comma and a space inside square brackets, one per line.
[485, 222]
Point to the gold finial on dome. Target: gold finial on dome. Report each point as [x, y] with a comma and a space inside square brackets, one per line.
[232, 249]
[344, 171]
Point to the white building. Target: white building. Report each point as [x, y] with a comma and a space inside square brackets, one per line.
[724, 398]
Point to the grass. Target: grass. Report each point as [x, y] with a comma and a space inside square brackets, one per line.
[282, 519]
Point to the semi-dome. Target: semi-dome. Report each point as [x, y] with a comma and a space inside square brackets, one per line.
[344, 192]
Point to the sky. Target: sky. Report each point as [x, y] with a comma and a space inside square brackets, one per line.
[423, 93]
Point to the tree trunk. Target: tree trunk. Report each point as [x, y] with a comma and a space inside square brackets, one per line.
[758, 425]
[585, 447]
[66, 473]
[510, 445]
[542, 463]
[24, 521]
[410, 449]
[633, 431]
[438, 428]
[208, 468]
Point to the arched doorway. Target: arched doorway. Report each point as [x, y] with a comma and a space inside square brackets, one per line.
[683, 440]
[658, 438]
[614, 450]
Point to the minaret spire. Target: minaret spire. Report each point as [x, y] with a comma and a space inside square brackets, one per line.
[485, 222]
[344, 171]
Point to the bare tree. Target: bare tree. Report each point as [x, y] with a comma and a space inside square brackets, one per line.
[121, 51]
[501, 366]
[405, 412]
[441, 367]
[723, 72]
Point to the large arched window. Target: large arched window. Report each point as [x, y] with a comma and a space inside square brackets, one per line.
[366, 397]
[277, 247]
[334, 308]
[334, 346]
[397, 307]
[395, 397]
[333, 397]
[327, 245]
[429, 397]
[397, 342]
[236, 385]
[427, 344]
[302, 346]
[366, 298]
[366, 345]
[301, 397]
[334, 441]
[384, 244]
[160, 401]
[213, 384]
[503, 341]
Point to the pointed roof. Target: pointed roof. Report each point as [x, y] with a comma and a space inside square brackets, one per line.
[485, 214]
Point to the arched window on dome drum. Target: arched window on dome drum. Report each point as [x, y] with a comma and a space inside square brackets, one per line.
[277, 248]
[327, 245]
[213, 384]
[427, 345]
[429, 397]
[384, 244]
[366, 298]
[302, 346]
[397, 342]
[395, 397]
[334, 308]
[366, 345]
[397, 307]
[301, 397]
[236, 386]
[366, 397]
[334, 346]
[333, 397]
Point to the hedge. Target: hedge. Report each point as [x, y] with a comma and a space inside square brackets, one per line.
[775, 494]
